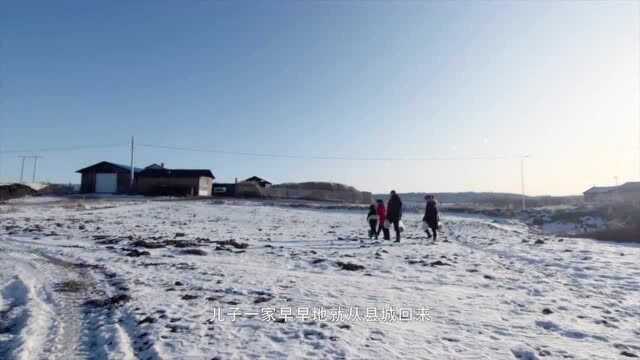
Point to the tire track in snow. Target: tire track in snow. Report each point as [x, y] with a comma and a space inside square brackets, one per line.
[44, 314]
[25, 319]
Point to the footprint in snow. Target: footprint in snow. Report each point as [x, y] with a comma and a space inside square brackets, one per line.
[376, 335]
[311, 334]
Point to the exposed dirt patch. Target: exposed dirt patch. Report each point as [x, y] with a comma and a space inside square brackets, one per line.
[232, 243]
[113, 301]
[349, 266]
[71, 286]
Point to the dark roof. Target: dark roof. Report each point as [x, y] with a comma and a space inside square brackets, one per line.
[109, 167]
[258, 180]
[630, 186]
[600, 189]
[176, 173]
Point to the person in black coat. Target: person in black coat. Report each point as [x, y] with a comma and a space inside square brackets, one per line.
[394, 213]
[431, 216]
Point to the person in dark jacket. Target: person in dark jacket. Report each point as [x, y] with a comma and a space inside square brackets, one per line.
[427, 227]
[372, 218]
[382, 216]
[431, 216]
[394, 213]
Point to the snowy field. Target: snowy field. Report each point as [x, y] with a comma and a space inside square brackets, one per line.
[128, 279]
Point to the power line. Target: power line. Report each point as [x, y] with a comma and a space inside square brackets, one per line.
[279, 155]
[68, 148]
[315, 157]
[549, 157]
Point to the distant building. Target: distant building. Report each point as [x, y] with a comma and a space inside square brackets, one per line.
[625, 193]
[258, 180]
[598, 194]
[629, 193]
[155, 166]
[156, 180]
[110, 178]
[106, 178]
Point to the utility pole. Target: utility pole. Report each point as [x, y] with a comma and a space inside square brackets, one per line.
[524, 196]
[132, 171]
[22, 168]
[35, 167]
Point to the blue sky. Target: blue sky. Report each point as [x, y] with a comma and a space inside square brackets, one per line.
[557, 80]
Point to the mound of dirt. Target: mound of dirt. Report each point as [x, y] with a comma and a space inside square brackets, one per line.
[320, 191]
[14, 191]
[58, 189]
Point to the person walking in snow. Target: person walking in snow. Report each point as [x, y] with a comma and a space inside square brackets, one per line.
[372, 218]
[394, 213]
[382, 216]
[431, 216]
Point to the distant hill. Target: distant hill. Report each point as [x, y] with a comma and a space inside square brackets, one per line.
[484, 200]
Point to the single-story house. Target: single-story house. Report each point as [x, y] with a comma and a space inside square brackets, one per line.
[598, 193]
[258, 180]
[107, 178]
[625, 193]
[629, 192]
[156, 180]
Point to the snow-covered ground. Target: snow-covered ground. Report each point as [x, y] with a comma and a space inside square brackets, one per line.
[585, 225]
[126, 279]
[573, 225]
